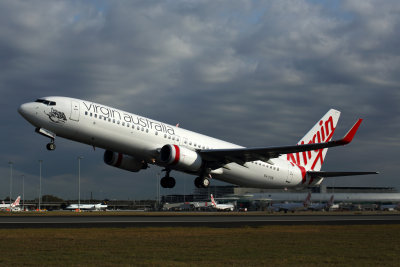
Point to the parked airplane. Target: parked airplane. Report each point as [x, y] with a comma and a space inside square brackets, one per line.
[291, 206]
[13, 206]
[132, 142]
[322, 206]
[92, 207]
[224, 207]
[390, 207]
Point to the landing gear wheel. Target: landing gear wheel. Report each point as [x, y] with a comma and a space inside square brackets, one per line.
[205, 183]
[171, 182]
[164, 182]
[200, 182]
[167, 182]
[51, 146]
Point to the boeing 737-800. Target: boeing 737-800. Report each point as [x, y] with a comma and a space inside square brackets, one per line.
[292, 206]
[223, 207]
[133, 142]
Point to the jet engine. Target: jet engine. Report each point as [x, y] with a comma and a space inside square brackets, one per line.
[180, 157]
[124, 162]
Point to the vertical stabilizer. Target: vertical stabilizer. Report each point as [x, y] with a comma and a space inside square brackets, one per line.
[321, 132]
[16, 202]
[213, 201]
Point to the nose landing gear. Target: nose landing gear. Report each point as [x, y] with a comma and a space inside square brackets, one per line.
[51, 146]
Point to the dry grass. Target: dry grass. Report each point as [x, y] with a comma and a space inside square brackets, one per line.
[309, 245]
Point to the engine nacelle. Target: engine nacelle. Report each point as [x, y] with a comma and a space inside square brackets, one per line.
[124, 162]
[180, 157]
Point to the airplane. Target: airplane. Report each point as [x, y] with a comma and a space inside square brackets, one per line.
[292, 206]
[224, 207]
[11, 207]
[91, 207]
[389, 207]
[133, 142]
[322, 206]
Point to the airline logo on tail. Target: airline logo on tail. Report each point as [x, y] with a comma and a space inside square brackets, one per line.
[16, 202]
[213, 201]
[322, 132]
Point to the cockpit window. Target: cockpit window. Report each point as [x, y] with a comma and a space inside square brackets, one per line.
[46, 102]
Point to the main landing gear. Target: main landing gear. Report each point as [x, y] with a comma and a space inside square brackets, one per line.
[202, 182]
[167, 181]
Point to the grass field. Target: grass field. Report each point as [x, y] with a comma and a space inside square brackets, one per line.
[308, 245]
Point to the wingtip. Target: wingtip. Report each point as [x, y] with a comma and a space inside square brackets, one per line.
[351, 133]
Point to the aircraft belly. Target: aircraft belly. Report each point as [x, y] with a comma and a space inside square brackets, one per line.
[253, 176]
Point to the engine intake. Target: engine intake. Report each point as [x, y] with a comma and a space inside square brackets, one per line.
[124, 162]
[180, 157]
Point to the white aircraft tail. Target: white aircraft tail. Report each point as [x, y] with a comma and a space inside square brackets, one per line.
[213, 201]
[16, 202]
[321, 132]
[330, 202]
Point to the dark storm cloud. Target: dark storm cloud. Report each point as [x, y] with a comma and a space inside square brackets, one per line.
[253, 73]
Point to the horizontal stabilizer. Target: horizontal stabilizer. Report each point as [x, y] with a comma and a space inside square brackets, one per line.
[337, 174]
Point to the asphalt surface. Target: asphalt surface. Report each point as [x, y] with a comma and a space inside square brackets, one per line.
[104, 221]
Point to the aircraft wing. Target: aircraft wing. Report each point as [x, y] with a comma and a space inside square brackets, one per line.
[243, 155]
[337, 174]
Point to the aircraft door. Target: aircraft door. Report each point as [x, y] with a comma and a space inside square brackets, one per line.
[74, 111]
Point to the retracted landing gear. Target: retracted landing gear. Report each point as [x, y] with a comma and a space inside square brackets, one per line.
[167, 181]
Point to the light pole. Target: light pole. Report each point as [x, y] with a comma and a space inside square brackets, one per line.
[40, 181]
[79, 183]
[11, 174]
[23, 192]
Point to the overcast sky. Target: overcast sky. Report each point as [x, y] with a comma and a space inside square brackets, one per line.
[255, 73]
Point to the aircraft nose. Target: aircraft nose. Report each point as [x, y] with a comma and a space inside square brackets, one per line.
[24, 109]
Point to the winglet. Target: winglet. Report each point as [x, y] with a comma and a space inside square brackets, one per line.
[350, 134]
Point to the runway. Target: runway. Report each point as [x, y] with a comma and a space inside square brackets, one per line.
[221, 221]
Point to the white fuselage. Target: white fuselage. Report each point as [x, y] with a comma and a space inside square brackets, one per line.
[130, 134]
[86, 207]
